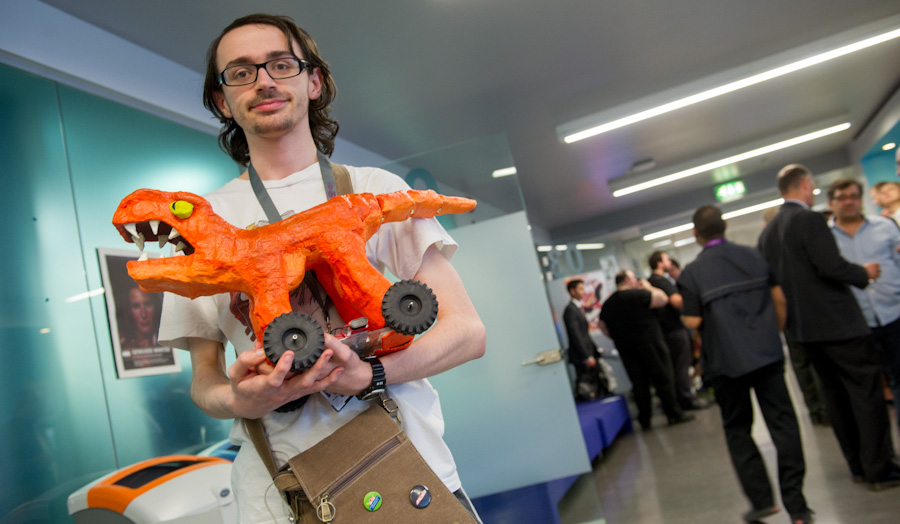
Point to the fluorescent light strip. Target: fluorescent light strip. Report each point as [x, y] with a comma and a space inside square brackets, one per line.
[667, 232]
[784, 144]
[563, 247]
[684, 242]
[733, 86]
[507, 171]
[753, 209]
[725, 216]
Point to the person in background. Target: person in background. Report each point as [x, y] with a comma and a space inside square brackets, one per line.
[678, 340]
[824, 318]
[627, 318]
[731, 297]
[582, 350]
[674, 270]
[807, 378]
[872, 238]
[889, 194]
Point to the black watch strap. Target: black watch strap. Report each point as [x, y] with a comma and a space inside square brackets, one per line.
[379, 382]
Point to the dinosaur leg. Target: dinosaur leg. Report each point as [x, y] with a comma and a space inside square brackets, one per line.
[355, 286]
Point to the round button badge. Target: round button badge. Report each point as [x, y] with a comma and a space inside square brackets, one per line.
[372, 501]
[420, 496]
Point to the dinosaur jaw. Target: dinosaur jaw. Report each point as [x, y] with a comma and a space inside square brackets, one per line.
[139, 233]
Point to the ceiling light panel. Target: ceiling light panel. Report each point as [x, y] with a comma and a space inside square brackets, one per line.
[627, 185]
[732, 80]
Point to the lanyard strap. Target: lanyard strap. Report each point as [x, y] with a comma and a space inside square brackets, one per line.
[272, 214]
[266, 201]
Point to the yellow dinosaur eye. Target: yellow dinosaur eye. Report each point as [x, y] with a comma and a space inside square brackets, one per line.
[181, 209]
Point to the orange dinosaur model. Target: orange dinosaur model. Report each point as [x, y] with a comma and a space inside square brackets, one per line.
[268, 262]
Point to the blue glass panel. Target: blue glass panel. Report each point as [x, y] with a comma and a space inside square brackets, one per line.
[55, 428]
[112, 151]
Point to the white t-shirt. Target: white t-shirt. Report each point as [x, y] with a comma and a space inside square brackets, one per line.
[398, 247]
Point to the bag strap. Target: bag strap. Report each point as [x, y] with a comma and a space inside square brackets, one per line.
[336, 179]
[257, 432]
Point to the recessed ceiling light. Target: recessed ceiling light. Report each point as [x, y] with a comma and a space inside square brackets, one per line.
[507, 171]
[888, 146]
[585, 247]
[732, 86]
[784, 144]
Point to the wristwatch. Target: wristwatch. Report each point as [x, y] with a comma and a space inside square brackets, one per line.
[376, 388]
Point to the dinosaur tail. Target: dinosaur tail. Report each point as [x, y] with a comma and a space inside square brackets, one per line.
[399, 206]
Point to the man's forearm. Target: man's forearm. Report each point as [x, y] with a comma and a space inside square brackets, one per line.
[457, 336]
[210, 387]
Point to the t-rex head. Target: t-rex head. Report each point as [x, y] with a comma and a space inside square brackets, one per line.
[184, 220]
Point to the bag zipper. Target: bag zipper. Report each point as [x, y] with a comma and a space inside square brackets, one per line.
[347, 478]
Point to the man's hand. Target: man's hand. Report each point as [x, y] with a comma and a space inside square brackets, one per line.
[873, 269]
[257, 387]
[591, 362]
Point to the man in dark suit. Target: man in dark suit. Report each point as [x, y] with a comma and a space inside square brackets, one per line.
[824, 318]
[582, 350]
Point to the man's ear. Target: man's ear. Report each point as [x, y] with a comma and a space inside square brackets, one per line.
[315, 83]
[221, 103]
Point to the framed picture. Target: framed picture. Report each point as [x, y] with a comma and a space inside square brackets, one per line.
[133, 320]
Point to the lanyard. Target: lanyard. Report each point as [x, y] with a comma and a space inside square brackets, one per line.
[266, 201]
[272, 214]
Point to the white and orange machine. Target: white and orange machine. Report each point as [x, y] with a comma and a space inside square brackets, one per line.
[175, 489]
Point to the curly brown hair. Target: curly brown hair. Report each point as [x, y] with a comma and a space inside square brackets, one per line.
[232, 139]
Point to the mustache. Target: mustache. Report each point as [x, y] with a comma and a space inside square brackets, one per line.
[266, 98]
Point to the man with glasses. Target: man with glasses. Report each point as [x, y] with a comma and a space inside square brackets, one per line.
[267, 84]
[824, 318]
[872, 238]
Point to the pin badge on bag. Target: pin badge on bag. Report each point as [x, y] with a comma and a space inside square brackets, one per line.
[420, 496]
[372, 501]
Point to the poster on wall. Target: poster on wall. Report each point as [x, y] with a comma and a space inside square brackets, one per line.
[133, 320]
[598, 286]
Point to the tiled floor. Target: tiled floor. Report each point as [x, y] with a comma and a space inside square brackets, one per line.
[683, 475]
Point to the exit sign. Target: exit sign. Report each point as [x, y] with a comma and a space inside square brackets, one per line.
[730, 191]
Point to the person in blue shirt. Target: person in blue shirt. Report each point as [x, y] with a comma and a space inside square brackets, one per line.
[862, 238]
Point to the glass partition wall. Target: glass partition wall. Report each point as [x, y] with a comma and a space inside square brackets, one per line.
[66, 417]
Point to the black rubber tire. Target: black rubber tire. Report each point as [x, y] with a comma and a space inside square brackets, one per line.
[297, 332]
[409, 307]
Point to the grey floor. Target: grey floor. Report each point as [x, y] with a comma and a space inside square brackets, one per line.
[683, 475]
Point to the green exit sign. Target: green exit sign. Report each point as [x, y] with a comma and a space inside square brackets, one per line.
[730, 191]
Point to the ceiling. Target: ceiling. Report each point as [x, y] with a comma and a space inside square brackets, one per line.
[421, 75]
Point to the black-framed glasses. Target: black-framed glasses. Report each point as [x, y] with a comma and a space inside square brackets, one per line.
[277, 68]
[844, 198]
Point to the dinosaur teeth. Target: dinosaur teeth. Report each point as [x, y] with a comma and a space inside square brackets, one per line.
[131, 228]
[174, 234]
[138, 240]
[144, 256]
[162, 240]
[180, 246]
[154, 226]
